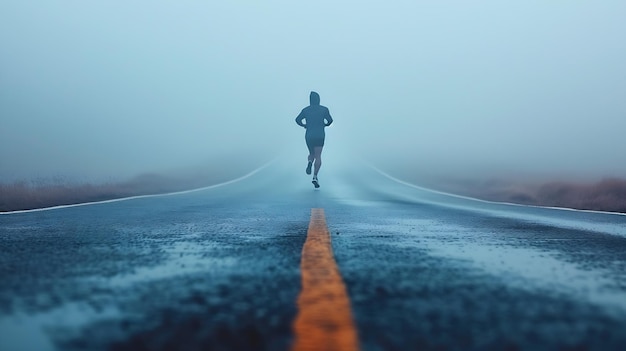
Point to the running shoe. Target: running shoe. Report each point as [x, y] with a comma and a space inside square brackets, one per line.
[315, 182]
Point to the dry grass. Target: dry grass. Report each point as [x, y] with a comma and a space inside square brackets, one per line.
[21, 196]
[24, 196]
[605, 195]
[42, 194]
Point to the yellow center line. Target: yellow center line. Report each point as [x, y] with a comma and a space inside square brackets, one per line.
[324, 320]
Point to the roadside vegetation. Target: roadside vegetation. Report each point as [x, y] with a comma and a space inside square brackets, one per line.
[604, 195]
[47, 193]
[599, 194]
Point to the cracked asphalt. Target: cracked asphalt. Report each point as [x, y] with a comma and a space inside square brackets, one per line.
[218, 269]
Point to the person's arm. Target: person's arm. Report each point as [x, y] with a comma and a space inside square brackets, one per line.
[328, 118]
[299, 120]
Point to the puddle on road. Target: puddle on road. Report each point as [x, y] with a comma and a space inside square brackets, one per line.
[182, 258]
[32, 331]
[29, 332]
[520, 267]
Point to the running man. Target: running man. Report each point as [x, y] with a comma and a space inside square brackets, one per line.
[317, 118]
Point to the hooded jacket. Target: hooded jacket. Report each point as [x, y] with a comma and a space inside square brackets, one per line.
[316, 116]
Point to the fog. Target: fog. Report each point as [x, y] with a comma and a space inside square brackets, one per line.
[105, 89]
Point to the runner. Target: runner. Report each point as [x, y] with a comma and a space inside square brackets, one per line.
[317, 118]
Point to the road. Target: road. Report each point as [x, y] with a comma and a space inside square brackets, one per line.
[219, 269]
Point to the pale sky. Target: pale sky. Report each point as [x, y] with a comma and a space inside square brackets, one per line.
[114, 89]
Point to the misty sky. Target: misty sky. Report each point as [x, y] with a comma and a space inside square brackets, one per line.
[117, 88]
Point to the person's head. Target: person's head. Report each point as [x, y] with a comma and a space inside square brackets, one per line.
[314, 98]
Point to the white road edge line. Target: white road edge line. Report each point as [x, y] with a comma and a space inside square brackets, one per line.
[142, 196]
[487, 201]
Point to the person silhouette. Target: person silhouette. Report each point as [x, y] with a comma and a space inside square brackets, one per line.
[317, 117]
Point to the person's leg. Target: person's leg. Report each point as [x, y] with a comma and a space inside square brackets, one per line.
[310, 146]
[318, 159]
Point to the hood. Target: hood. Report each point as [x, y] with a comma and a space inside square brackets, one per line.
[314, 98]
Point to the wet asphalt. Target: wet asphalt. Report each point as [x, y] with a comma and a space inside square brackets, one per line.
[218, 269]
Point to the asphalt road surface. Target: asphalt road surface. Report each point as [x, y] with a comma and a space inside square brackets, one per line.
[220, 269]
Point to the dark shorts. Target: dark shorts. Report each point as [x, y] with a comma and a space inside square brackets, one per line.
[312, 142]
